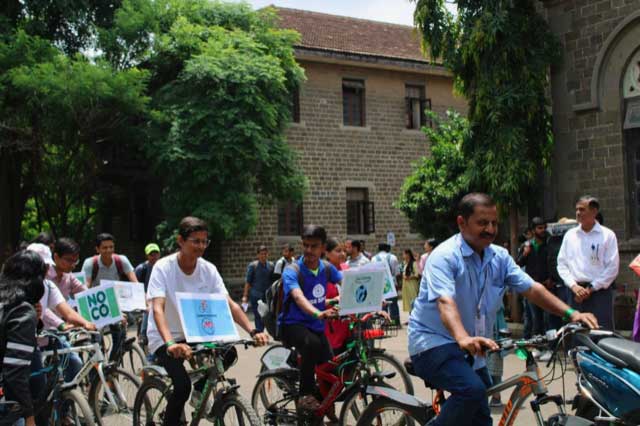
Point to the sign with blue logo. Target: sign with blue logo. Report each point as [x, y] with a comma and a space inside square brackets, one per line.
[362, 289]
[206, 317]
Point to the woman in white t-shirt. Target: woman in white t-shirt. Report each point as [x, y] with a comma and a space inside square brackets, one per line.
[184, 271]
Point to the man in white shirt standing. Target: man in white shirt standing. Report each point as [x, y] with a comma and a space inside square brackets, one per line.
[588, 263]
[184, 271]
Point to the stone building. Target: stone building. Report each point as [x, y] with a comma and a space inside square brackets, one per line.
[596, 113]
[356, 132]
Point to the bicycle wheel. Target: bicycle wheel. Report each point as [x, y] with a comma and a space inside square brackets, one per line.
[124, 387]
[384, 362]
[133, 359]
[385, 412]
[74, 407]
[353, 406]
[236, 410]
[275, 394]
[150, 403]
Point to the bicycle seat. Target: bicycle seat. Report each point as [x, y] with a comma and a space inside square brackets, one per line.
[627, 350]
[408, 365]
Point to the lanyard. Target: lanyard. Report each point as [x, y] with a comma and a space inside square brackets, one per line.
[472, 276]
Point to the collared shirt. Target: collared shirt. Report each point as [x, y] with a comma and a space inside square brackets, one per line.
[391, 260]
[589, 257]
[68, 284]
[260, 277]
[454, 270]
[358, 261]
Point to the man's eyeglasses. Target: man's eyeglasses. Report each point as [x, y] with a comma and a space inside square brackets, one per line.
[198, 242]
[72, 262]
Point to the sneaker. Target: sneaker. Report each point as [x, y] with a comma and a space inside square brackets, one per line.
[495, 403]
[546, 356]
[536, 353]
[308, 403]
[195, 398]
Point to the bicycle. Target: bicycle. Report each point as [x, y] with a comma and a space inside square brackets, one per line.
[109, 388]
[63, 402]
[275, 394]
[390, 407]
[130, 355]
[210, 361]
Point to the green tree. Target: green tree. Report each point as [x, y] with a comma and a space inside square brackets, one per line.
[222, 78]
[429, 195]
[499, 53]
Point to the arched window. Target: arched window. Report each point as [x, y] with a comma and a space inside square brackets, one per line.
[631, 93]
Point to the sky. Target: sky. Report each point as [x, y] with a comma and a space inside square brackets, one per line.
[395, 11]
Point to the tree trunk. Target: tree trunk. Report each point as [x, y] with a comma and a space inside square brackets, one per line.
[13, 191]
[514, 305]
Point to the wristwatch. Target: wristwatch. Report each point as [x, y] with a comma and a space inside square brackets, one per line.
[253, 333]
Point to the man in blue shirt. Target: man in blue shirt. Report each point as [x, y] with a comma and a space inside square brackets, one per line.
[305, 289]
[462, 285]
[259, 279]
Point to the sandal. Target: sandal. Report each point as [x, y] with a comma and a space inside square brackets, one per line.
[308, 403]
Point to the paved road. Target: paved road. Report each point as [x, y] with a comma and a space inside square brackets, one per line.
[246, 370]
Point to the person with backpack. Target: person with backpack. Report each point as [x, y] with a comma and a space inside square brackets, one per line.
[184, 271]
[288, 256]
[304, 286]
[107, 265]
[259, 279]
[21, 287]
[143, 274]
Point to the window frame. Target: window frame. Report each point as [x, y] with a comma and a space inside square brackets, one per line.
[360, 213]
[292, 212]
[353, 88]
[425, 103]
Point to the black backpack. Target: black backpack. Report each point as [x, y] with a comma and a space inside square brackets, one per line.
[274, 300]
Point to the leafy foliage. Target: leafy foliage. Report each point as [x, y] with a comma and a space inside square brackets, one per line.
[500, 53]
[430, 194]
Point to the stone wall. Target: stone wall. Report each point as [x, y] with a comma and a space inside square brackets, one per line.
[598, 39]
[334, 157]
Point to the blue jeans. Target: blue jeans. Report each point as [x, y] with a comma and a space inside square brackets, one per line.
[253, 301]
[446, 367]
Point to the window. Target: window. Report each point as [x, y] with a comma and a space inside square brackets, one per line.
[633, 152]
[295, 105]
[290, 218]
[416, 104]
[353, 102]
[360, 212]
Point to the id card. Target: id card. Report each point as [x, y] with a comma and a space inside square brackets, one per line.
[480, 326]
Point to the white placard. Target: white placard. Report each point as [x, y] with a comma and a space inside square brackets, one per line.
[80, 276]
[389, 283]
[362, 289]
[99, 305]
[131, 296]
[206, 318]
[276, 357]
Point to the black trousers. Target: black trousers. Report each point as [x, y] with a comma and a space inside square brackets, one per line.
[181, 385]
[313, 348]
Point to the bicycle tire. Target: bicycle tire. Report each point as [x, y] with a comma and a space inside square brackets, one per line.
[280, 382]
[233, 400]
[372, 415]
[142, 405]
[119, 376]
[134, 359]
[398, 367]
[78, 402]
[351, 409]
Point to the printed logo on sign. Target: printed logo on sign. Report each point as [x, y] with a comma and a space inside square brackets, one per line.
[361, 294]
[318, 291]
[207, 326]
[203, 306]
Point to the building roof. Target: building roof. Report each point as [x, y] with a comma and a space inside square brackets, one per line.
[344, 34]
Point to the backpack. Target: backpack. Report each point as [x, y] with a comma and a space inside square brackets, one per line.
[96, 267]
[275, 303]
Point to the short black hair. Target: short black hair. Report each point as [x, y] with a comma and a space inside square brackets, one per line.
[433, 242]
[287, 246]
[537, 221]
[105, 236]
[600, 218]
[45, 238]
[591, 201]
[332, 243]
[262, 248]
[66, 246]
[314, 231]
[468, 204]
[22, 278]
[357, 244]
[190, 224]
[384, 247]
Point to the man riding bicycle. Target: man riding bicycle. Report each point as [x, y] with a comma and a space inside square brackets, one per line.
[184, 271]
[462, 284]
